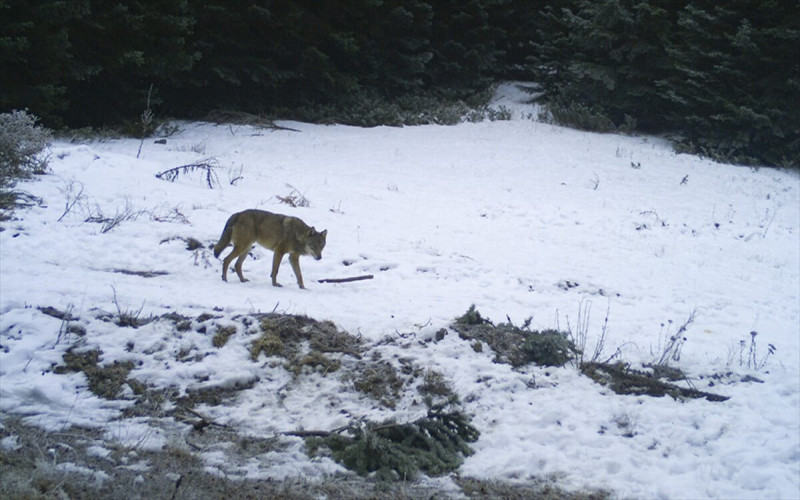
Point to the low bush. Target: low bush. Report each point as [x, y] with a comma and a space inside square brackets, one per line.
[515, 345]
[369, 108]
[22, 147]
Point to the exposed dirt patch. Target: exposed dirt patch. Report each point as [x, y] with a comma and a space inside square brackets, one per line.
[284, 334]
[223, 334]
[105, 381]
[62, 315]
[214, 396]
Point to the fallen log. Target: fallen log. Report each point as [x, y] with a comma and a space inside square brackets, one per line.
[347, 280]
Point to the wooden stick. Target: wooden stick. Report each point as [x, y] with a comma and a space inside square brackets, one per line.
[347, 280]
[303, 433]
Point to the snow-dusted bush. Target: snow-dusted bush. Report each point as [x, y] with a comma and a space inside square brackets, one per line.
[515, 345]
[22, 146]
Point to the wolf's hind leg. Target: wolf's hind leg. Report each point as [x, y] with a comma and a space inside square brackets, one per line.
[239, 251]
[238, 266]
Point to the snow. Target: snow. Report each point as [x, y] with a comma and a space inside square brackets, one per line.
[519, 217]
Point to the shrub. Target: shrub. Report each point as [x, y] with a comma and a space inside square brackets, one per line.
[378, 380]
[548, 348]
[579, 116]
[22, 144]
[515, 345]
[471, 317]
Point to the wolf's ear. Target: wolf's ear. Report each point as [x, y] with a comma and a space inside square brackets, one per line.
[324, 233]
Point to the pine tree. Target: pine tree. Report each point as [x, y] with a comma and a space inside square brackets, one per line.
[463, 42]
[397, 46]
[120, 50]
[35, 56]
[604, 59]
[737, 83]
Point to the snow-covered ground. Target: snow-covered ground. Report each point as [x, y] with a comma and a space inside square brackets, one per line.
[521, 218]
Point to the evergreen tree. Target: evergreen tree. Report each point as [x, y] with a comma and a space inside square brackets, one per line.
[465, 52]
[517, 25]
[397, 46]
[736, 88]
[119, 51]
[605, 57]
[36, 63]
[244, 55]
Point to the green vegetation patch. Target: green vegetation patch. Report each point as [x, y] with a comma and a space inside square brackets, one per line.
[621, 379]
[379, 380]
[515, 345]
[435, 444]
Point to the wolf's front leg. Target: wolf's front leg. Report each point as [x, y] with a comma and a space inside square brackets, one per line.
[294, 260]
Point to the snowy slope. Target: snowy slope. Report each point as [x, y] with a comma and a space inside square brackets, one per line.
[518, 217]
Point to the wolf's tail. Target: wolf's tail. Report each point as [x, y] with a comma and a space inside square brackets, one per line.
[225, 239]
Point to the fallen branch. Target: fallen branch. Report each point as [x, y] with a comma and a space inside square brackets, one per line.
[207, 165]
[204, 421]
[622, 380]
[347, 280]
[305, 434]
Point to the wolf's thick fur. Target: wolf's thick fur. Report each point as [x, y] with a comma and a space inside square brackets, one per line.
[280, 233]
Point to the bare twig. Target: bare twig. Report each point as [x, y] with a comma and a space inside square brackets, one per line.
[294, 199]
[126, 317]
[147, 119]
[72, 198]
[774, 213]
[204, 420]
[675, 343]
[234, 177]
[163, 213]
[120, 215]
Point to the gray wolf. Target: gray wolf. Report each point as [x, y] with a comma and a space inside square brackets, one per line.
[280, 233]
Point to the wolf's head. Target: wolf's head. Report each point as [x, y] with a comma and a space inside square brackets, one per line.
[315, 242]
